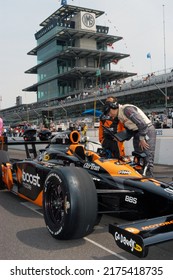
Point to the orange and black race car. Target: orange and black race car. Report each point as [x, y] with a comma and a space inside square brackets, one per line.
[75, 186]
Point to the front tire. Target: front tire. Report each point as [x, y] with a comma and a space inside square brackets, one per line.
[69, 203]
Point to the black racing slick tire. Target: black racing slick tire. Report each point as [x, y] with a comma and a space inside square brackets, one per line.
[69, 203]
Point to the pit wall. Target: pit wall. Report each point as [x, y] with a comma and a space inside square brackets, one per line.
[164, 145]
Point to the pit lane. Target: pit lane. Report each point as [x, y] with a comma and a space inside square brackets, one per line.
[23, 234]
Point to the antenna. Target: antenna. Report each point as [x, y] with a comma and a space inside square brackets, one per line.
[164, 46]
[164, 40]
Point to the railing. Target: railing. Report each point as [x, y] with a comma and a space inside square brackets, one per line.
[88, 95]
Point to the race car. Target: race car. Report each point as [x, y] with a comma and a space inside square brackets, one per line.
[76, 185]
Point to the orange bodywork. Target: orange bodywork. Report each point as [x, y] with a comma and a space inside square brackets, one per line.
[38, 201]
[117, 168]
[7, 176]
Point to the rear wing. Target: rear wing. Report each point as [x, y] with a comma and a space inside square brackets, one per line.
[30, 146]
[136, 237]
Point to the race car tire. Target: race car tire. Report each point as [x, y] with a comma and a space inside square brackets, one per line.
[4, 158]
[69, 203]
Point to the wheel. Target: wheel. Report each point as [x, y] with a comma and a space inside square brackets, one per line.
[4, 158]
[69, 203]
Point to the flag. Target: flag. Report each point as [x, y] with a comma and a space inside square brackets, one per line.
[148, 55]
[110, 45]
[63, 2]
[115, 61]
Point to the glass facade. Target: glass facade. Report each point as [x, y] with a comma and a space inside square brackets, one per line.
[47, 70]
[47, 91]
[51, 69]
[50, 33]
[48, 51]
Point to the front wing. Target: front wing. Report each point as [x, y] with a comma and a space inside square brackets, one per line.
[136, 237]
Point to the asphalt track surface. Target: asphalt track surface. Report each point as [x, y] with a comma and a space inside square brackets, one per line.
[23, 235]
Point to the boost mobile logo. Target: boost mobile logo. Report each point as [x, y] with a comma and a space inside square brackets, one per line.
[30, 178]
[128, 242]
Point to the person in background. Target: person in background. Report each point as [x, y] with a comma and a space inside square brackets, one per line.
[84, 130]
[112, 148]
[46, 122]
[142, 129]
[1, 126]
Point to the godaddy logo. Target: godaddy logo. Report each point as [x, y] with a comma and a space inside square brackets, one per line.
[127, 242]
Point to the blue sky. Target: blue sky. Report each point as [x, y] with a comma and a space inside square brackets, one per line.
[146, 27]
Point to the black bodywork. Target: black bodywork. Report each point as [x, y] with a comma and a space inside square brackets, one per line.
[121, 190]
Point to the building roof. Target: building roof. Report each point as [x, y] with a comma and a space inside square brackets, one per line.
[69, 11]
[73, 52]
[77, 72]
[66, 34]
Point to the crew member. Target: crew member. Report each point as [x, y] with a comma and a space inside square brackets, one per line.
[143, 131]
[112, 148]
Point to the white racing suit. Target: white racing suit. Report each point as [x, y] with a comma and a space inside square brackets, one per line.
[134, 119]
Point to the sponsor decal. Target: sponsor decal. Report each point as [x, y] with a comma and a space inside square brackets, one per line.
[54, 232]
[54, 175]
[27, 186]
[96, 179]
[49, 177]
[159, 132]
[133, 230]
[124, 172]
[154, 226]
[30, 178]
[169, 190]
[128, 242]
[62, 136]
[131, 199]
[46, 157]
[91, 166]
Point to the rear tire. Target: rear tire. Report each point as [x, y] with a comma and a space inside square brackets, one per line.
[69, 203]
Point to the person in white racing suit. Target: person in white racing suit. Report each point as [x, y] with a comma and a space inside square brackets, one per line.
[142, 131]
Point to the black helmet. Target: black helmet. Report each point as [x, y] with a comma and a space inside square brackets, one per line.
[110, 105]
[113, 105]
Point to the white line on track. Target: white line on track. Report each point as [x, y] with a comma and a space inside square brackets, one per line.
[104, 248]
[35, 208]
[32, 207]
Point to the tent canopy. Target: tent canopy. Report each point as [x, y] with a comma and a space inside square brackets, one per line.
[92, 112]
